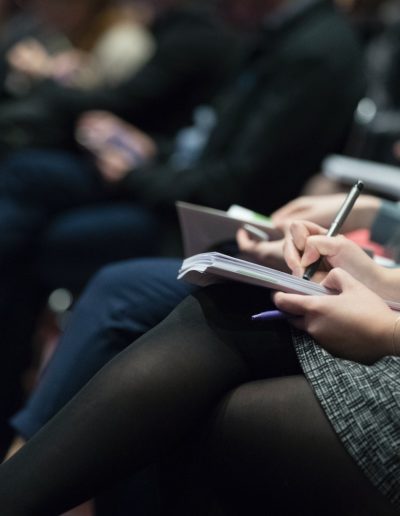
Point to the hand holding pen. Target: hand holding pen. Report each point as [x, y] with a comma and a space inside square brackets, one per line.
[340, 253]
[337, 224]
[308, 242]
[301, 246]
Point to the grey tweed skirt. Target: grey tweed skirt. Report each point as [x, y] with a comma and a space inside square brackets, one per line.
[363, 405]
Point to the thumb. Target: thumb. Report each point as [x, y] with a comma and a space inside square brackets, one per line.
[339, 280]
[321, 245]
[244, 241]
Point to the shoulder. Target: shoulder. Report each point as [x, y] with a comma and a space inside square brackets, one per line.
[321, 36]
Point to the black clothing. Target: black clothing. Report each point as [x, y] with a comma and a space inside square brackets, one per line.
[291, 104]
[195, 55]
[207, 361]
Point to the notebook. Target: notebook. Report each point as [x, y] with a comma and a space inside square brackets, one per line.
[204, 228]
[208, 268]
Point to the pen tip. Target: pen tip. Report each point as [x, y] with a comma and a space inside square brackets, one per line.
[360, 185]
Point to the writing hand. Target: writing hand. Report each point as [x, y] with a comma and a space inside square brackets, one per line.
[356, 324]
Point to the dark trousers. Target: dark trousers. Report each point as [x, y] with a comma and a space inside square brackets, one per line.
[54, 204]
[121, 303]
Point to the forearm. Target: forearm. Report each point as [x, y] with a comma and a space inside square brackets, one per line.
[387, 284]
[162, 184]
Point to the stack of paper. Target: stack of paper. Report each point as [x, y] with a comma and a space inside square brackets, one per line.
[208, 268]
[203, 229]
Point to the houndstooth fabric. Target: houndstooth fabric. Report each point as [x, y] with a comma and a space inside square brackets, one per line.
[363, 405]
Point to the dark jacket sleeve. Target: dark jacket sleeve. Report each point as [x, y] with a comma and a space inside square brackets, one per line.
[189, 63]
[280, 128]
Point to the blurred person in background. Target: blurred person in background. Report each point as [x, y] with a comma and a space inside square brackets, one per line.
[182, 66]
[84, 44]
[268, 118]
[79, 44]
[194, 55]
[291, 102]
[376, 127]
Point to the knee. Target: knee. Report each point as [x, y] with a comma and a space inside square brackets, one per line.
[139, 285]
[109, 276]
[108, 282]
[135, 275]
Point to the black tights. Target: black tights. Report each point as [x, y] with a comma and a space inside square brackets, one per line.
[271, 447]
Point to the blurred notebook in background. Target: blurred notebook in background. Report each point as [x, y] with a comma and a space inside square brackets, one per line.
[384, 179]
[204, 229]
[208, 268]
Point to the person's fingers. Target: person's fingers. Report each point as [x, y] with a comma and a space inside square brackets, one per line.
[294, 304]
[339, 280]
[244, 241]
[321, 245]
[299, 233]
[292, 256]
[113, 164]
[94, 129]
[91, 118]
[301, 230]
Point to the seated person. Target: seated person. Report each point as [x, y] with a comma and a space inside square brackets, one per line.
[86, 44]
[296, 422]
[268, 120]
[126, 300]
[184, 67]
[48, 197]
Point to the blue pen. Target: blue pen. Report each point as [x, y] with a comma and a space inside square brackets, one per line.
[271, 315]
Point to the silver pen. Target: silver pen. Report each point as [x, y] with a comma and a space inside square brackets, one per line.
[337, 224]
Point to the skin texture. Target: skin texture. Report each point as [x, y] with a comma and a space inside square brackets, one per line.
[356, 324]
[118, 146]
[322, 209]
[318, 209]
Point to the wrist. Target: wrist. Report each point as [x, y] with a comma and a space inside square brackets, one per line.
[386, 283]
[386, 338]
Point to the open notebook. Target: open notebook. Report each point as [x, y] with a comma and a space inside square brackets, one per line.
[208, 268]
[204, 228]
